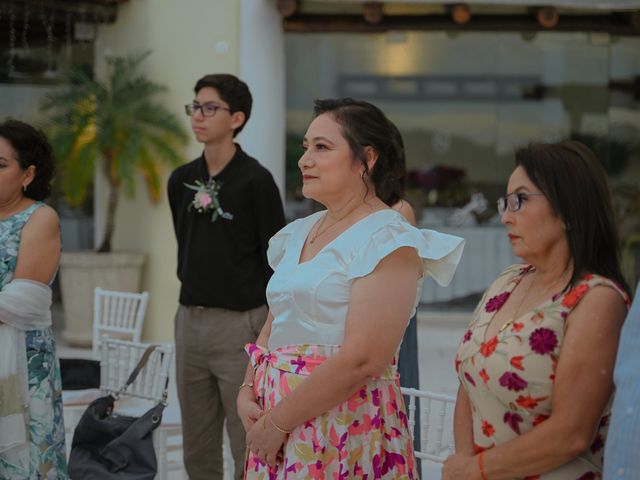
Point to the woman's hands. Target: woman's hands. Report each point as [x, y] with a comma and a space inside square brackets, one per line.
[265, 441]
[460, 466]
[248, 409]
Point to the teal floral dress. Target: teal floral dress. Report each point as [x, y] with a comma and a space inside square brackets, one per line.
[46, 458]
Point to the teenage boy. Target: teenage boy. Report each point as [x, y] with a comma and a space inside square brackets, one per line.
[225, 208]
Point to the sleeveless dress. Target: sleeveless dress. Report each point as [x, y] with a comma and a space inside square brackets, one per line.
[509, 377]
[47, 455]
[367, 436]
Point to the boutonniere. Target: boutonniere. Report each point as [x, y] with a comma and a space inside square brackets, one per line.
[206, 199]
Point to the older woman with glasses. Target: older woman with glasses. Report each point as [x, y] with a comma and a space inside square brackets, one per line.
[535, 365]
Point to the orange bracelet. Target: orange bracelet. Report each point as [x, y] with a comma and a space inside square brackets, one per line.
[483, 474]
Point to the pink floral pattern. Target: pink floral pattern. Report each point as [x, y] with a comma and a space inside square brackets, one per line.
[365, 437]
[517, 368]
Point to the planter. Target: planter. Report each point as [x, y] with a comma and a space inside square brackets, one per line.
[80, 273]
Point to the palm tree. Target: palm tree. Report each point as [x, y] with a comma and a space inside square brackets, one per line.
[119, 122]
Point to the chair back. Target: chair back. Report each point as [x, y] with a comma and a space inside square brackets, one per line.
[436, 423]
[118, 315]
[120, 357]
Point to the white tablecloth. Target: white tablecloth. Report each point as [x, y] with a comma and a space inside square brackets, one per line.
[487, 253]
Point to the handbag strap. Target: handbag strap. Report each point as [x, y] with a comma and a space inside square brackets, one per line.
[134, 373]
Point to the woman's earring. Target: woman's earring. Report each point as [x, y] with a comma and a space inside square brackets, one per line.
[24, 188]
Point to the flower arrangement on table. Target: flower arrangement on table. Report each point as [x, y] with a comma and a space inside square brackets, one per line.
[206, 199]
[439, 186]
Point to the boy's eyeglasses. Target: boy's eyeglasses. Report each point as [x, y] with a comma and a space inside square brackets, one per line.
[207, 110]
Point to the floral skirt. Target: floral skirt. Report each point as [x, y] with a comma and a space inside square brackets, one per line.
[365, 437]
[45, 455]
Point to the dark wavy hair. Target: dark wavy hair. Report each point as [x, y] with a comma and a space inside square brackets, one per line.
[364, 125]
[232, 90]
[32, 148]
[575, 184]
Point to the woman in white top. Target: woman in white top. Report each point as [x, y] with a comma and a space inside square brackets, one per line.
[323, 396]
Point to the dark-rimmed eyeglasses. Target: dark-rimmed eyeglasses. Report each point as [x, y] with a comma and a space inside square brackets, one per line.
[207, 110]
[513, 201]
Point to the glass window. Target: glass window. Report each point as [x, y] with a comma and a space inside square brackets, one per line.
[465, 101]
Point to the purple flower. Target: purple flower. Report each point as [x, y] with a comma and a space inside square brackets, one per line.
[543, 340]
[384, 462]
[513, 420]
[495, 303]
[375, 397]
[467, 336]
[299, 363]
[439, 177]
[469, 378]
[376, 421]
[512, 381]
[588, 476]
[597, 444]
[391, 459]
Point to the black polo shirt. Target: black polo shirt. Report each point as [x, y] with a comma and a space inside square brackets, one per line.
[223, 263]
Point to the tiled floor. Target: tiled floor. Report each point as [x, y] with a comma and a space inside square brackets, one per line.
[438, 336]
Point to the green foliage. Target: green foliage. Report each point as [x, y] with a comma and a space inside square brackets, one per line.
[118, 122]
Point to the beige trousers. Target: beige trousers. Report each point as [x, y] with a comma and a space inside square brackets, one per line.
[210, 366]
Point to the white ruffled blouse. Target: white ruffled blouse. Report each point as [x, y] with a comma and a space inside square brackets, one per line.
[309, 301]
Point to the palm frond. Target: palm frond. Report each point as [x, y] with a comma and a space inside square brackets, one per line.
[151, 173]
[119, 120]
[77, 174]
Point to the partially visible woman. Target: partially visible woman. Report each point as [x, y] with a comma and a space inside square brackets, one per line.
[408, 354]
[536, 364]
[324, 399]
[31, 427]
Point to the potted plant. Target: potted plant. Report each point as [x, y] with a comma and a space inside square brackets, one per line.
[120, 125]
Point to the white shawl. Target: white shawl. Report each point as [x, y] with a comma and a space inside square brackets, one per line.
[24, 305]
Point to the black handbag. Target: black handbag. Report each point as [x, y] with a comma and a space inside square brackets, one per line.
[113, 447]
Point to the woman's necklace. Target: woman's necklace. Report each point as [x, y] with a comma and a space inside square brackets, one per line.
[320, 231]
[515, 312]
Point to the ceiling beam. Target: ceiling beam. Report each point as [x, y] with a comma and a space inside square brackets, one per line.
[618, 23]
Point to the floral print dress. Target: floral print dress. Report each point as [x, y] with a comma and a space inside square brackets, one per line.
[509, 377]
[367, 436]
[46, 458]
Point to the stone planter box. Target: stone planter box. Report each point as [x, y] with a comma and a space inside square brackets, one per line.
[80, 273]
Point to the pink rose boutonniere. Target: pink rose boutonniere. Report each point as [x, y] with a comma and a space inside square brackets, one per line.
[206, 199]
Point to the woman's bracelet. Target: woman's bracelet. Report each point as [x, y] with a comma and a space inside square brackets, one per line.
[245, 385]
[273, 424]
[483, 474]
